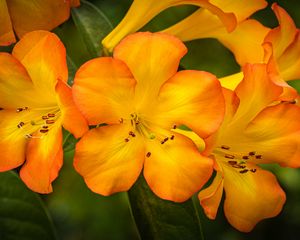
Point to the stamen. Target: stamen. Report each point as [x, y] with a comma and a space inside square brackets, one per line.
[21, 109]
[253, 170]
[121, 120]
[43, 130]
[51, 115]
[45, 127]
[126, 139]
[50, 121]
[21, 124]
[1, 108]
[244, 171]
[245, 157]
[225, 147]
[148, 154]
[258, 156]
[131, 133]
[229, 156]
[232, 162]
[251, 153]
[174, 127]
[44, 117]
[172, 137]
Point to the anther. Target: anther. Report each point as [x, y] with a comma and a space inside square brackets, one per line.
[148, 154]
[166, 139]
[44, 117]
[244, 171]
[50, 121]
[172, 137]
[19, 110]
[51, 115]
[131, 133]
[1, 108]
[251, 153]
[121, 120]
[28, 136]
[162, 142]
[232, 162]
[45, 127]
[258, 156]
[225, 147]
[21, 124]
[229, 156]
[253, 170]
[245, 157]
[126, 139]
[43, 130]
[174, 127]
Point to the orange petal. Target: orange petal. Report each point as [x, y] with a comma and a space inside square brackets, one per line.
[44, 57]
[72, 119]
[33, 15]
[12, 140]
[75, 3]
[142, 11]
[251, 197]
[176, 170]
[194, 99]
[204, 24]
[44, 158]
[7, 35]
[275, 132]
[283, 35]
[152, 58]
[210, 197]
[256, 91]
[107, 162]
[103, 90]
[16, 89]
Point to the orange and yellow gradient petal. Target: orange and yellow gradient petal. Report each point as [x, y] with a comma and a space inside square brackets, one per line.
[7, 35]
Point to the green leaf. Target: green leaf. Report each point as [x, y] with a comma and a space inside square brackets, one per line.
[93, 26]
[161, 219]
[22, 214]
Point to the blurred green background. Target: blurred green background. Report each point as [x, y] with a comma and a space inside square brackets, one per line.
[79, 214]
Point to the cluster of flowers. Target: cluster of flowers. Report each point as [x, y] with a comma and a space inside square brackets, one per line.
[141, 102]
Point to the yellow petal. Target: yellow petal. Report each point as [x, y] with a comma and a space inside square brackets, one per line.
[7, 35]
[152, 58]
[251, 197]
[211, 196]
[103, 90]
[44, 158]
[176, 170]
[33, 15]
[194, 99]
[231, 81]
[108, 163]
[44, 57]
[142, 11]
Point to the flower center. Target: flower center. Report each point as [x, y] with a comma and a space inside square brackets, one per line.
[37, 122]
[237, 159]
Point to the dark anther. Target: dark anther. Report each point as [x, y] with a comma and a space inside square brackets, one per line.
[172, 137]
[131, 121]
[253, 170]
[121, 120]
[244, 171]
[44, 130]
[232, 162]
[126, 139]
[1, 108]
[19, 110]
[45, 127]
[131, 133]
[245, 157]
[258, 156]
[225, 147]
[148, 154]
[174, 127]
[44, 117]
[162, 142]
[51, 115]
[21, 124]
[251, 153]
[50, 121]
[238, 166]
[229, 156]
[166, 139]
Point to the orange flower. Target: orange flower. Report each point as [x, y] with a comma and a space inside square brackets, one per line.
[35, 103]
[142, 11]
[142, 99]
[256, 130]
[25, 16]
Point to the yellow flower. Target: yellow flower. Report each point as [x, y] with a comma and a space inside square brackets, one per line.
[256, 130]
[142, 11]
[142, 98]
[35, 103]
[25, 16]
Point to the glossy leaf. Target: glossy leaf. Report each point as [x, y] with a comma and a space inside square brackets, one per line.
[93, 26]
[22, 214]
[161, 219]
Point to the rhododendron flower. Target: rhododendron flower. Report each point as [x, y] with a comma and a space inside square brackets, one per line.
[25, 16]
[142, 98]
[256, 130]
[142, 11]
[35, 103]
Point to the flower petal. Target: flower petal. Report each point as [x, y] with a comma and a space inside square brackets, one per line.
[103, 90]
[72, 119]
[194, 99]
[152, 58]
[37, 14]
[275, 132]
[107, 162]
[210, 197]
[142, 11]
[176, 170]
[44, 158]
[251, 197]
[44, 57]
[7, 35]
